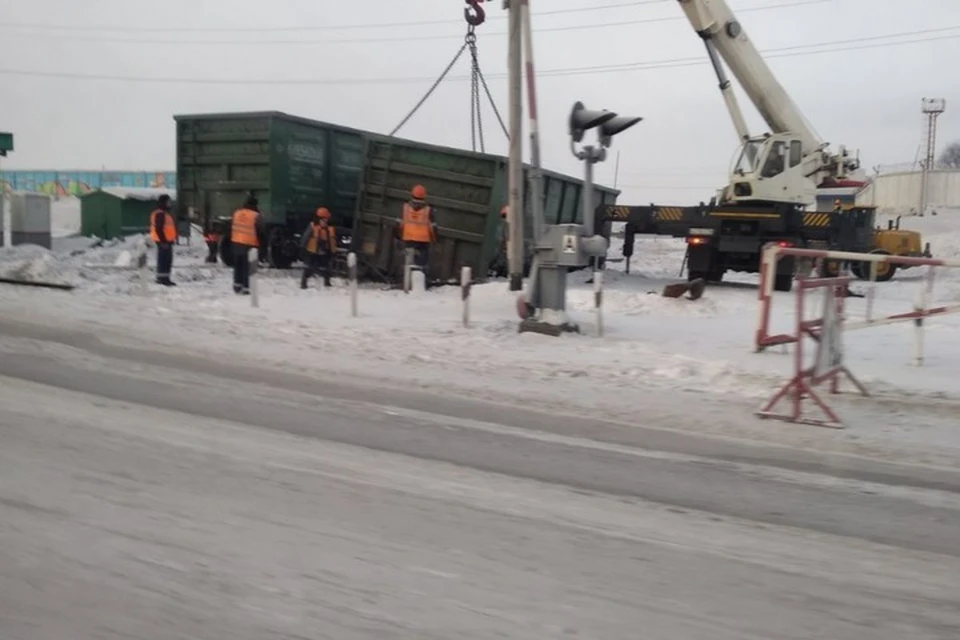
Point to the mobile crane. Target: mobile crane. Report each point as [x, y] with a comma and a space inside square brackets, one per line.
[773, 180]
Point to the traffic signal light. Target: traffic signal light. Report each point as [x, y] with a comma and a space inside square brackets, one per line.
[615, 125]
[582, 119]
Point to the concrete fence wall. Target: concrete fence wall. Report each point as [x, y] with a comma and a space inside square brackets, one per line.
[899, 193]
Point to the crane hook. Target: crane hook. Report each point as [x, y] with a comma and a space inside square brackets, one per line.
[474, 13]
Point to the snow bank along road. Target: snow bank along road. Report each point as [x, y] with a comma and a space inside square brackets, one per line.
[152, 495]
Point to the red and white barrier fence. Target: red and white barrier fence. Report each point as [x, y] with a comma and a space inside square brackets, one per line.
[922, 308]
[827, 332]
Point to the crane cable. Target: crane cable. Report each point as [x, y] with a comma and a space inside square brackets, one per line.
[474, 16]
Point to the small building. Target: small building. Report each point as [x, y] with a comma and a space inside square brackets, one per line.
[116, 212]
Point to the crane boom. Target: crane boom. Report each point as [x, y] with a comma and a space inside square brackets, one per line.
[788, 163]
[715, 22]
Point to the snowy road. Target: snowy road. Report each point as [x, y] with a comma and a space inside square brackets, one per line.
[148, 495]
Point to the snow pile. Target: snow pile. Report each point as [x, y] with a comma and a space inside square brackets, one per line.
[143, 194]
[32, 263]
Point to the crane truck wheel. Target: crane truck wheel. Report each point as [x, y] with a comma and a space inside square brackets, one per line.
[885, 270]
[783, 282]
[830, 269]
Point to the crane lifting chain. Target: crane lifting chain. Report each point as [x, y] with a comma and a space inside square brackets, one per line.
[474, 15]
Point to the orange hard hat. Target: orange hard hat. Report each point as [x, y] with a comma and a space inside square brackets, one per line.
[324, 213]
[419, 192]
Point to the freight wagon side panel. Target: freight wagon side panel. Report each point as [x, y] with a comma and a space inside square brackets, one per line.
[562, 203]
[466, 190]
[219, 160]
[315, 165]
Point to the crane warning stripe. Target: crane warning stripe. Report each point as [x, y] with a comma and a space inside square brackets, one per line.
[669, 213]
[816, 219]
[618, 213]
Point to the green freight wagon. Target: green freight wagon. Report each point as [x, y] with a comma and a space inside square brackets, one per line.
[467, 191]
[294, 165]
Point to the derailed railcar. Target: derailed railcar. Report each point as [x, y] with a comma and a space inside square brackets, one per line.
[294, 165]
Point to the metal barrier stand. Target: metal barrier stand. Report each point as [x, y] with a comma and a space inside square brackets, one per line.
[828, 367]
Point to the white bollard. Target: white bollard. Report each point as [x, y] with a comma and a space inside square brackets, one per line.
[418, 280]
[466, 276]
[921, 304]
[352, 270]
[598, 300]
[252, 256]
[407, 267]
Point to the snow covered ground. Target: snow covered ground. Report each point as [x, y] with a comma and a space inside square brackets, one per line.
[651, 342]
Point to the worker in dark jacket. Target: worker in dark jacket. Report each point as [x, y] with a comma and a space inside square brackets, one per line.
[245, 229]
[163, 232]
[418, 227]
[319, 244]
[211, 238]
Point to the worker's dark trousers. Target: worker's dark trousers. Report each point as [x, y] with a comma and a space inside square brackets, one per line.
[316, 264]
[212, 255]
[241, 269]
[164, 262]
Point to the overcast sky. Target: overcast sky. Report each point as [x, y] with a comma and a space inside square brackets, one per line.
[862, 89]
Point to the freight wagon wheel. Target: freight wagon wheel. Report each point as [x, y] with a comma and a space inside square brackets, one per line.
[282, 249]
[226, 250]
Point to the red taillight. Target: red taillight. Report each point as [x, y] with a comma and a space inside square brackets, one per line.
[696, 240]
[785, 243]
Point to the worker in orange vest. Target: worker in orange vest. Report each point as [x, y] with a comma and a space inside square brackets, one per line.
[244, 235]
[418, 227]
[163, 232]
[320, 245]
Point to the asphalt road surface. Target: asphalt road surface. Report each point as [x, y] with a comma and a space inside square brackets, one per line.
[158, 496]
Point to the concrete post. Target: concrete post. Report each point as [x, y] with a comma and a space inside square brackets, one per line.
[465, 278]
[252, 257]
[352, 270]
[515, 181]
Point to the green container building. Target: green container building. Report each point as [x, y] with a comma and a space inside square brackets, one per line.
[294, 165]
[118, 212]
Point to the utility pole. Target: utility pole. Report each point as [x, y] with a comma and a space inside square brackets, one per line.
[6, 145]
[515, 252]
[932, 108]
[535, 182]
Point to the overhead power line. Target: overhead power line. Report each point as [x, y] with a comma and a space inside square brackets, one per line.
[327, 27]
[782, 52]
[369, 39]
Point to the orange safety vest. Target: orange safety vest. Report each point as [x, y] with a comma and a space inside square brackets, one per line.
[416, 224]
[169, 227]
[243, 228]
[320, 233]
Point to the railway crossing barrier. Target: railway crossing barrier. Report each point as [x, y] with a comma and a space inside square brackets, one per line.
[922, 307]
[828, 367]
